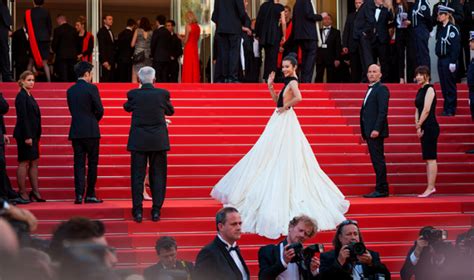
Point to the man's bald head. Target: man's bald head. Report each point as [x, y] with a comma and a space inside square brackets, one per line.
[374, 73]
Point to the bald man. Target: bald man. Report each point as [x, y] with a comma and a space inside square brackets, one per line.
[374, 127]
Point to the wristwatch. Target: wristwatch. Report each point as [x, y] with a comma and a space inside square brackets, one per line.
[4, 207]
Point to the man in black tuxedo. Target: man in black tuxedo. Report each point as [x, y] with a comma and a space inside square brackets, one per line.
[339, 264]
[374, 127]
[86, 109]
[5, 32]
[176, 51]
[169, 267]
[364, 34]
[125, 52]
[381, 44]
[221, 259]
[305, 36]
[64, 46]
[106, 40]
[21, 52]
[161, 50]
[351, 46]
[275, 261]
[229, 17]
[329, 54]
[148, 141]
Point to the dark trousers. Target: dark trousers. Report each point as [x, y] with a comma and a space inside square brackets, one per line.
[420, 37]
[107, 76]
[20, 67]
[366, 56]
[88, 147]
[405, 52]
[308, 49]
[330, 73]
[447, 81]
[4, 56]
[124, 72]
[380, 52]
[64, 69]
[173, 71]
[471, 99]
[356, 67]
[162, 71]
[376, 150]
[228, 50]
[271, 59]
[156, 174]
[6, 190]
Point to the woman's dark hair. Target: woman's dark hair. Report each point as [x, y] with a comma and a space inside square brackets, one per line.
[291, 57]
[145, 24]
[423, 70]
[336, 242]
[38, 2]
[404, 5]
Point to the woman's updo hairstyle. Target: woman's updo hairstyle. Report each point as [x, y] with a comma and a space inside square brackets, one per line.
[291, 57]
[23, 77]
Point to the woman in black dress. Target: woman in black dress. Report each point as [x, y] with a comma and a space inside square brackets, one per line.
[27, 134]
[427, 127]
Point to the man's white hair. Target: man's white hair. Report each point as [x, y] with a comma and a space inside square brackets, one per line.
[146, 75]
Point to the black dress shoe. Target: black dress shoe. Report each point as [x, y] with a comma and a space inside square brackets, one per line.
[376, 194]
[155, 215]
[470, 152]
[18, 200]
[138, 217]
[78, 199]
[446, 114]
[93, 199]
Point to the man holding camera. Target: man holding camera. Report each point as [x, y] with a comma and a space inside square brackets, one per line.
[430, 258]
[288, 260]
[350, 259]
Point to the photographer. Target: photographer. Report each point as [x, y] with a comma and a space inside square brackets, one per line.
[288, 260]
[350, 259]
[430, 257]
[168, 266]
[464, 270]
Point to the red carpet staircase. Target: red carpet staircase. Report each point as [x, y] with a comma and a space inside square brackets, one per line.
[214, 126]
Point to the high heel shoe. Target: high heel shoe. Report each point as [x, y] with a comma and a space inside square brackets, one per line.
[146, 196]
[428, 194]
[35, 197]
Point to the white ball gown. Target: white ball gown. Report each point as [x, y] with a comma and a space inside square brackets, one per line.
[280, 178]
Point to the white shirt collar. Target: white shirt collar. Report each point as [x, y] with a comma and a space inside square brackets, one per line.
[226, 243]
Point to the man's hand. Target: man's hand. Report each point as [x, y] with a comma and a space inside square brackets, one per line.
[344, 254]
[315, 263]
[6, 139]
[374, 134]
[29, 142]
[337, 63]
[106, 65]
[23, 215]
[452, 67]
[345, 50]
[421, 244]
[366, 258]
[288, 254]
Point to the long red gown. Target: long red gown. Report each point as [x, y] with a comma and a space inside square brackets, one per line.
[191, 73]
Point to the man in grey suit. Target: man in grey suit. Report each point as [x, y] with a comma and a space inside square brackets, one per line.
[148, 141]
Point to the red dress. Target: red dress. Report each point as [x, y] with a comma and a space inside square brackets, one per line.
[191, 73]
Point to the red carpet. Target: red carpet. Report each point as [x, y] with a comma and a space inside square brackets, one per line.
[215, 125]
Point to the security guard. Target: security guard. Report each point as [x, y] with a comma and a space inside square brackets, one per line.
[422, 26]
[448, 46]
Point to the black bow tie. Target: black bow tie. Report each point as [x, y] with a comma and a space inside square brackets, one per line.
[369, 87]
[327, 28]
[379, 7]
[236, 248]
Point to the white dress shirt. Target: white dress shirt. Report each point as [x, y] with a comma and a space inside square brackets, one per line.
[292, 272]
[235, 257]
[377, 14]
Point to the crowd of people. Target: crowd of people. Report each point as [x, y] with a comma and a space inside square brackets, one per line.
[79, 249]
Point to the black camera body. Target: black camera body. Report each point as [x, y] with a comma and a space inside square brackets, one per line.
[434, 235]
[305, 255]
[356, 249]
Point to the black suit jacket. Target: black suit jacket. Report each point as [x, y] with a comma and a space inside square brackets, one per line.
[148, 131]
[269, 261]
[6, 19]
[28, 117]
[304, 21]
[214, 262]
[106, 46]
[3, 110]
[176, 49]
[124, 48]
[333, 51]
[347, 36]
[229, 16]
[86, 110]
[364, 22]
[157, 271]
[41, 24]
[330, 268]
[373, 115]
[64, 42]
[20, 48]
[161, 45]
[382, 25]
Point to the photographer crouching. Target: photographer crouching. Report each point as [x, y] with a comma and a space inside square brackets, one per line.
[288, 259]
[350, 259]
[431, 257]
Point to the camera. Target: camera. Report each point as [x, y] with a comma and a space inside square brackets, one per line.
[305, 255]
[434, 235]
[356, 249]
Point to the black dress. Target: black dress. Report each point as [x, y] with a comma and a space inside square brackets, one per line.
[287, 80]
[430, 127]
[28, 125]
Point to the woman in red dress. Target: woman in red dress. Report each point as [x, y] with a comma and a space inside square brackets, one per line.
[191, 72]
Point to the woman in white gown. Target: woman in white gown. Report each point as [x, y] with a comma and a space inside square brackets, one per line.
[280, 178]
